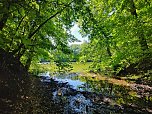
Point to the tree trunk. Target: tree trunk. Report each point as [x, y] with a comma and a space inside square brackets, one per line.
[140, 32]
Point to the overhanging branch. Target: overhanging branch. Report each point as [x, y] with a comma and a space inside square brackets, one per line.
[40, 26]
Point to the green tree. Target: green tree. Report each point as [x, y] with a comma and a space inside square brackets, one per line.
[119, 32]
[32, 28]
[75, 52]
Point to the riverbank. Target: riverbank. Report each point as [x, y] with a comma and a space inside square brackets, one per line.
[139, 89]
[45, 94]
[108, 92]
[105, 96]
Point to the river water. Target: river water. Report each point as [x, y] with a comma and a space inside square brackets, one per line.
[89, 95]
[72, 93]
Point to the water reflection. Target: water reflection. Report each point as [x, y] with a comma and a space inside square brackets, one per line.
[103, 96]
[71, 79]
[73, 94]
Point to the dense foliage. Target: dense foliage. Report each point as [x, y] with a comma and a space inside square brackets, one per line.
[119, 32]
[35, 29]
[120, 35]
[120, 42]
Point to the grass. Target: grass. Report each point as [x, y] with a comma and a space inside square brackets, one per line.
[80, 67]
[76, 67]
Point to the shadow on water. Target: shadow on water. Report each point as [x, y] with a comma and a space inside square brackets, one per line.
[73, 94]
[89, 95]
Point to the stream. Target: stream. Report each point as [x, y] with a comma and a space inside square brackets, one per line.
[72, 93]
[88, 95]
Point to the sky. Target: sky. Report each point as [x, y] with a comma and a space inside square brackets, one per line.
[75, 31]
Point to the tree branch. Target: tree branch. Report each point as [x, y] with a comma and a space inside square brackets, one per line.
[40, 26]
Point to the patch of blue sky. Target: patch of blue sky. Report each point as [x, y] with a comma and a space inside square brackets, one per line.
[75, 31]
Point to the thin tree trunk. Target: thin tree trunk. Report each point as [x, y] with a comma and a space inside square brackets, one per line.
[140, 32]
